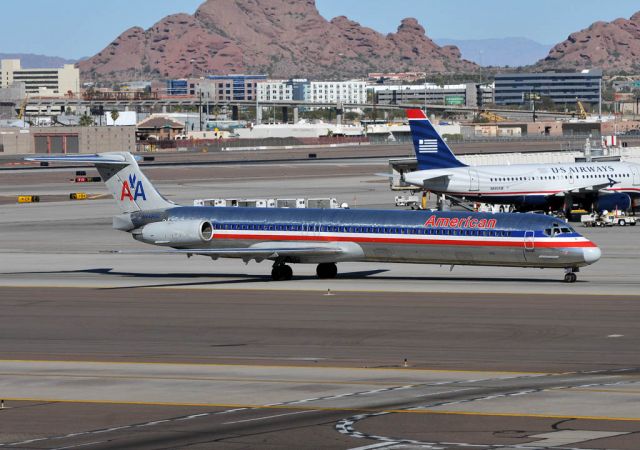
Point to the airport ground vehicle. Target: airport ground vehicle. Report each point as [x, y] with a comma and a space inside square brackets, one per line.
[412, 201]
[329, 236]
[607, 219]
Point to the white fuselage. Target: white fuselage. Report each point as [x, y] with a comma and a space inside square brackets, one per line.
[519, 180]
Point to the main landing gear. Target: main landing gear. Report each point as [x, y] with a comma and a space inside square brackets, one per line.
[570, 275]
[326, 271]
[281, 272]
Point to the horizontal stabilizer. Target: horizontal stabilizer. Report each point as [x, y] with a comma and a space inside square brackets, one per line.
[120, 172]
[88, 159]
[421, 180]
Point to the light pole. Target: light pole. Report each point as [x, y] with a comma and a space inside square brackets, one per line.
[200, 104]
[425, 92]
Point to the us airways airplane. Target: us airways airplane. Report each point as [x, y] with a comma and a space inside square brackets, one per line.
[601, 186]
[329, 236]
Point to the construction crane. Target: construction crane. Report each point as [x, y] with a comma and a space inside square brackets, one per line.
[582, 113]
[491, 116]
[23, 107]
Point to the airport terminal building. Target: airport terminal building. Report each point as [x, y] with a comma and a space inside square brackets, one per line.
[561, 87]
[41, 82]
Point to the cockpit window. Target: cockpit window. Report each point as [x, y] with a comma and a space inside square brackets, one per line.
[565, 230]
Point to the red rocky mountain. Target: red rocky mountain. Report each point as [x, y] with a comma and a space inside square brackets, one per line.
[281, 38]
[612, 46]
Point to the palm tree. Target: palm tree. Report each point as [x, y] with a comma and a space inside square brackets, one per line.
[86, 120]
[114, 115]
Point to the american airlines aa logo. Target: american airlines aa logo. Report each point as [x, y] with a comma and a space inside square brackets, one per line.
[428, 146]
[134, 184]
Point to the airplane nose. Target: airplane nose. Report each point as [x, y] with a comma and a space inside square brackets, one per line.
[591, 254]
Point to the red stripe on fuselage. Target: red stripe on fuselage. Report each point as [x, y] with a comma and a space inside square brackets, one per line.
[386, 240]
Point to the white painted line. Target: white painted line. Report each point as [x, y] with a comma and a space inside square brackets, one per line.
[372, 446]
[80, 445]
[615, 336]
[269, 417]
[28, 442]
[148, 424]
[108, 430]
[195, 416]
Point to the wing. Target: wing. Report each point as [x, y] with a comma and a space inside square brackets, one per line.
[589, 188]
[259, 253]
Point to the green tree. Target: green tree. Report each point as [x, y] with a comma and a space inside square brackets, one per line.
[86, 120]
[114, 115]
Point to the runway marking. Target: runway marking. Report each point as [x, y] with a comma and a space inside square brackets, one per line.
[236, 408]
[270, 417]
[346, 426]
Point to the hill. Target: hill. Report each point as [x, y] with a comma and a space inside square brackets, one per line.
[281, 38]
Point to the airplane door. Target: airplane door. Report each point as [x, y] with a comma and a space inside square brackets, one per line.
[474, 180]
[636, 175]
[529, 241]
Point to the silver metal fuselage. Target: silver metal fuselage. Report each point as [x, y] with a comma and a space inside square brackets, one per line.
[448, 238]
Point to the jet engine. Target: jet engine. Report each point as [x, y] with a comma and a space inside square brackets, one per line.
[175, 233]
[611, 202]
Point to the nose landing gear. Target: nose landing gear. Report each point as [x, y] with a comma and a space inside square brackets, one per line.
[570, 275]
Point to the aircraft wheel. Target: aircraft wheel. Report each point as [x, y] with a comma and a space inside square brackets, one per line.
[327, 271]
[570, 278]
[281, 273]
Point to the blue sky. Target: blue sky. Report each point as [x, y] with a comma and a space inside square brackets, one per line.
[81, 28]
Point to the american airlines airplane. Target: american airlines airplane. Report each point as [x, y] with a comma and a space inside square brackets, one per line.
[329, 236]
[601, 186]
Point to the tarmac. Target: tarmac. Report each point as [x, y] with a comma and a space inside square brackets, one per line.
[100, 350]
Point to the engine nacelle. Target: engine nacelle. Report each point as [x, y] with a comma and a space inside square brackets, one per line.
[176, 233]
[611, 202]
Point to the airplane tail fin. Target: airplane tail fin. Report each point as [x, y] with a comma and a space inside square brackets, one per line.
[130, 188]
[431, 150]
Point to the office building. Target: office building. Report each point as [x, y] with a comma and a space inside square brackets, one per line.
[60, 82]
[218, 88]
[560, 87]
[337, 91]
[469, 94]
[283, 90]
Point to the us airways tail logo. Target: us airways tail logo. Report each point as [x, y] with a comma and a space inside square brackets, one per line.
[136, 185]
